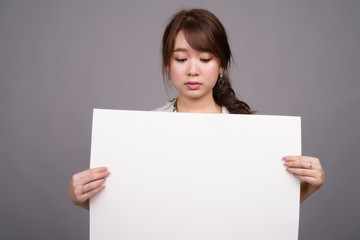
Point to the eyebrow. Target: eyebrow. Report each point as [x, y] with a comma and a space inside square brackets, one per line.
[180, 50]
[185, 50]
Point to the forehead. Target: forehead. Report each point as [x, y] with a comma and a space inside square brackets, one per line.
[181, 45]
[180, 41]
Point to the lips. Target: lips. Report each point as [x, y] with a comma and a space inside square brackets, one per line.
[193, 85]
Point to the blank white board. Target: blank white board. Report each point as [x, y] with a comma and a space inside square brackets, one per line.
[194, 176]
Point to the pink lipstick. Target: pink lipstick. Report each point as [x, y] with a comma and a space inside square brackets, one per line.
[193, 85]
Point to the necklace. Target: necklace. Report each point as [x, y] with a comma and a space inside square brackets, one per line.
[175, 99]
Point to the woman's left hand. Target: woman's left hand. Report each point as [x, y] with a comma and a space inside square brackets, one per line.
[307, 169]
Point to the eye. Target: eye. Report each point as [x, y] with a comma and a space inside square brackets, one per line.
[180, 59]
[205, 60]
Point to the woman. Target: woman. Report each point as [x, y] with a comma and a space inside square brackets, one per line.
[196, 57]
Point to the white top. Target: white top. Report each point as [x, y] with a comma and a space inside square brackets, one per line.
[169, 107]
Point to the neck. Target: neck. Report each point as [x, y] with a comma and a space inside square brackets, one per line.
[201, 105]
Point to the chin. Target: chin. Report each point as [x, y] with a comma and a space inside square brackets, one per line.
[194, 95]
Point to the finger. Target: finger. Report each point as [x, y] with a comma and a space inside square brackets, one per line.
[92, 193]
[299, 158]
[92, 185]
[93, 176]
[291, 158]
[307, 179]
[316, 183]
[91, 170]
[302, 172]
[301, 164]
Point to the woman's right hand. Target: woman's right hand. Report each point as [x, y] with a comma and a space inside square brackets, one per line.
[87, 184]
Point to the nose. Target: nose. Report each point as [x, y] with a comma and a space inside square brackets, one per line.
[193, 68]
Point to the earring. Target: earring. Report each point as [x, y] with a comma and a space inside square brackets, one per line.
[168, 78]
[220, 80]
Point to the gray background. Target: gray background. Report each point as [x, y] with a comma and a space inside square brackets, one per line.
[61, 59]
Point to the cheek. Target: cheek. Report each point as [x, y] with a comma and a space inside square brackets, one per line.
[176, 71]
[212, 72]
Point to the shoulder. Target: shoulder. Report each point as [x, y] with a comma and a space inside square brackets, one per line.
[167, 107]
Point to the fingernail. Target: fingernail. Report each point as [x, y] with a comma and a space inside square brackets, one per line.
[286, 164]
[105, 168]
[288, 169]
[284, 158]
[107, 173]
[104, 179]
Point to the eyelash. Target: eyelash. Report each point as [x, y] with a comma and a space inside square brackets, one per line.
[180, 60]
[205, 60]
[202, 59]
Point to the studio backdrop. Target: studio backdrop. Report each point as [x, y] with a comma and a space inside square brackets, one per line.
[61, 59]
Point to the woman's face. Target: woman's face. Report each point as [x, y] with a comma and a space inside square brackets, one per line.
[193, 73]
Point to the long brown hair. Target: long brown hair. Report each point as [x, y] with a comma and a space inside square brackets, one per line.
[204, 32]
